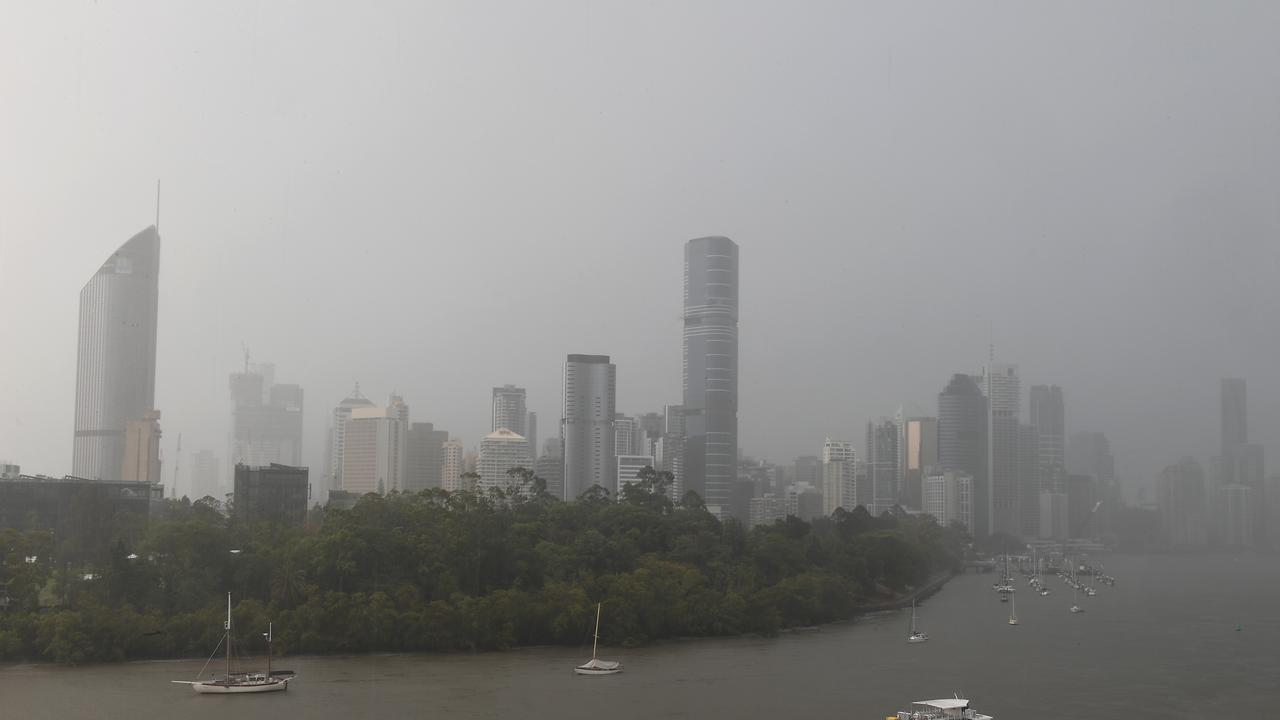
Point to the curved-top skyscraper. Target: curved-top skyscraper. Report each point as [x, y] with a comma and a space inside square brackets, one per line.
[116, 355]
[711, 370]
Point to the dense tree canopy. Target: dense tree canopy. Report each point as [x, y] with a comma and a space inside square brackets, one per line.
[462, 571]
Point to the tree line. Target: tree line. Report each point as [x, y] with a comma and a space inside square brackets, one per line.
[441, 571]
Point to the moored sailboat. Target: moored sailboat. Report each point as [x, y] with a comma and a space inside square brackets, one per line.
[242, 682]
[917, 635]
[596, 666]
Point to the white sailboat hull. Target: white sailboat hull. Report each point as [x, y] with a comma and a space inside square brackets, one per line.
[222, 688]
[596, 671]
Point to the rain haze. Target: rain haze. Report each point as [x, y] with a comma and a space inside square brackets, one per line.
[439, 198]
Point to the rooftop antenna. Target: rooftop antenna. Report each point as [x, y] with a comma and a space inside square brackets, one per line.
[157, 205]
[245, 349]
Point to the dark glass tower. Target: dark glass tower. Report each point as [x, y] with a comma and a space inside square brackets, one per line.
[711, 370]
[962, 441]
[116, 355]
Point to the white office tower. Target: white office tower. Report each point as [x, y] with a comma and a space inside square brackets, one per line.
[501, 451]
[338, 434]
[452, 467]
[948, 497]
[375, 449]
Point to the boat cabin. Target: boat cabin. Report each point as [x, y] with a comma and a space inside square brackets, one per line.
[944, 709]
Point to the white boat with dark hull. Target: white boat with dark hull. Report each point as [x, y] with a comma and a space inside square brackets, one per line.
[944, 709]
[596, 666]
[241, 682]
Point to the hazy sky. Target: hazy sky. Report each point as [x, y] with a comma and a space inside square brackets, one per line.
[437, 198]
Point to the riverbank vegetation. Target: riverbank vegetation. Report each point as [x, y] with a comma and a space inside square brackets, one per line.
[460, 571]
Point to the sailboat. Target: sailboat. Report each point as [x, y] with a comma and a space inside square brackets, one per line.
[1075, 601]
[1013, 611]
[917, 635]
[241, 682]
[596, 666]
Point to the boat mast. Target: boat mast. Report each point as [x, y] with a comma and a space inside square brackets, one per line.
[596, 640]
[268, 651]
[227, 626]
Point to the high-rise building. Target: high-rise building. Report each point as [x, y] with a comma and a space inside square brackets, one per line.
[501, 451]
[1048, 417]
[1181, 493]
[1029, 486]
[882, 465]
[948, 497]
[206, 480]
[531, 434]
[1002, 388]
[920, 437]
[628, 436]
[962, 442]
[337, 435]
[509, 409]
[550, 467]
[839, 479]
[590, 392]
[374, 456]
[711, 370]
[266, 418]
[672, 448]
[1235, 415]
[275, 494]
[454, 465]
[424, 457]
[142, 450]
[629, 467]
[1089, 453]
[116, 355]
[767, 509]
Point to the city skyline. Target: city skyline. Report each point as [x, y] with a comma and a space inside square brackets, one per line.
[1153, 209]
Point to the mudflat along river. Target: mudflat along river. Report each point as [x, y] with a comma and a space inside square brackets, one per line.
[1176, 637]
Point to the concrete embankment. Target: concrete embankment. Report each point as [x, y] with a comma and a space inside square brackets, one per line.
[934, 585]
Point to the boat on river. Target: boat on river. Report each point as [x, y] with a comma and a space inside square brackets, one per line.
[596, 666]
[944, 709]
[241, 682]
[917, 635]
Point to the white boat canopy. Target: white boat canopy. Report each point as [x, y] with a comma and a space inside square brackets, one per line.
[945, 703]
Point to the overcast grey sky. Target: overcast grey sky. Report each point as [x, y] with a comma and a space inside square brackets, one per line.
[437, 198]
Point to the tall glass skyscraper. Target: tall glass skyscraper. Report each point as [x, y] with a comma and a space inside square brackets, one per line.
[116, 355]
[711, 370]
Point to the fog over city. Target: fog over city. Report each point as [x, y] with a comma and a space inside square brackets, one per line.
[439, 198]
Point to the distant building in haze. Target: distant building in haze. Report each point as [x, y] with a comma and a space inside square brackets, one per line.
[509, 409]
[711, 370]
[629, 467]
[116, 355]
[1029, 485]
[337, 436]
[882, 465]
[1002, 387]
[454, 465]
[275, 494]
[531, 434]
[921, 452]
[1181, 493]
[142, 449]
[501, 451]
[550, 467]
[590, 401]
[962, 441]
[948, 497]
[374, 457]
[424, 457]
[266, 418]
[206, 477]
[839, 481]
